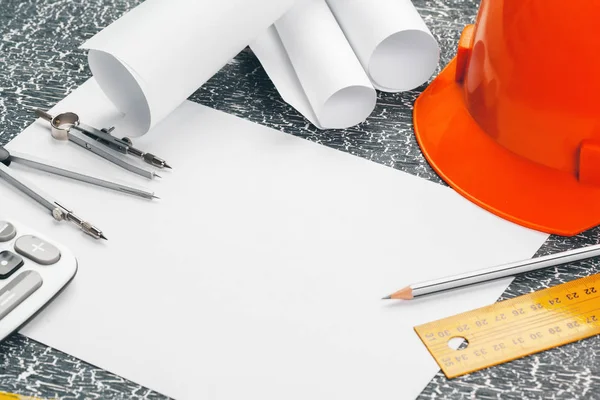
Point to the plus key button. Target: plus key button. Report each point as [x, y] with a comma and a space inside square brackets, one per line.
[37, 250]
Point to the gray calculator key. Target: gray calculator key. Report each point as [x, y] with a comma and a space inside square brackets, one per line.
[9, 263]
[18, 290]
[37, 250]
[7, 231]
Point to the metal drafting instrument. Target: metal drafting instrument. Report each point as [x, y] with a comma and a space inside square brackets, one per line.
[502, 271]
[33, 162]
[67, 126]
[58, 211]
[515, 328]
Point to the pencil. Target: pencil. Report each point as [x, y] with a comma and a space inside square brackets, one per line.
[501, 271]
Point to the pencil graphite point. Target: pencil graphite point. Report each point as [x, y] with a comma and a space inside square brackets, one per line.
[402, 294]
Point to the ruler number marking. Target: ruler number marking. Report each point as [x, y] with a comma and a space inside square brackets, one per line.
[590, 290]
[518, 311]
[480, 353]
[500, 346]
[536, 335]
[518, 341]
[572, 296]
[554, 330]
[444, 333]
[536, 306]
[447, 361]
[430, 336]
[461, 358]
[573, 325]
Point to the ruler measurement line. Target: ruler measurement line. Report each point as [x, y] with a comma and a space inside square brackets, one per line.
[487, 334]
[484, 334]
[518, 345]
[538, 318]
[542, 309]
[515, 328]
[526, 329]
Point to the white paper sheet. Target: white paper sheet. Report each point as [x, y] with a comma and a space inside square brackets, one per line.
[314, 68]
[391, 40]
[156, 55]
[260, 272]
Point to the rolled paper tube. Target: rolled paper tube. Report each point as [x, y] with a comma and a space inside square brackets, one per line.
[155, 56]
[391, 40]
[314, 68]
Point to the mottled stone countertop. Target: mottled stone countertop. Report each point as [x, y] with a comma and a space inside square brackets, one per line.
[40, 63]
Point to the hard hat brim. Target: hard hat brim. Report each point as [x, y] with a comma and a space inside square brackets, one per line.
[489, 175]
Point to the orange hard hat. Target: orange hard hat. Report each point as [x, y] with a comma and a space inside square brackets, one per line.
[513, 121]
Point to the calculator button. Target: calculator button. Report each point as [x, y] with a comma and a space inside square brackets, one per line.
[18, 290]
[37, 250]
[9, 263]
[7, 231]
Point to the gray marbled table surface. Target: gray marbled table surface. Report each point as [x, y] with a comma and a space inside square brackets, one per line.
[41, 63]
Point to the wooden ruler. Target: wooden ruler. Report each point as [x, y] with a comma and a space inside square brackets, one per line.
[515, 328]
[11, 396]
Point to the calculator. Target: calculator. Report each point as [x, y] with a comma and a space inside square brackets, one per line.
[33, 271]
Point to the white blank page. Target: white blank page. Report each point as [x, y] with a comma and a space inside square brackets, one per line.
[260, 273]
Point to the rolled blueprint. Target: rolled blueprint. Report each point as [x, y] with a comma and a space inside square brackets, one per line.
[155, 56]
[314, 68]
[390, 39]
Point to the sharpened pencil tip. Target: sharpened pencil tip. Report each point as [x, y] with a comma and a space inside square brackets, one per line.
[155, 197]
[157, 175]
[167, 166]
[102, 236]
[387, 297]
